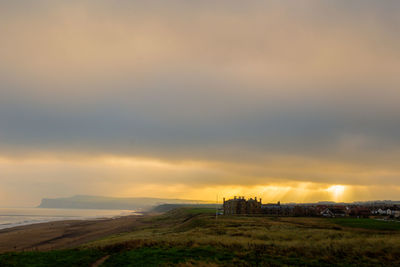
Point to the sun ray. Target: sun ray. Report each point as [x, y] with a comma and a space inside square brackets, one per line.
[337, 191]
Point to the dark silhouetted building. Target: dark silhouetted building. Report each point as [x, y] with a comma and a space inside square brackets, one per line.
[239, 205]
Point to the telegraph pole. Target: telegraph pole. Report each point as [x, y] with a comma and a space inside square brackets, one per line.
[216, 209]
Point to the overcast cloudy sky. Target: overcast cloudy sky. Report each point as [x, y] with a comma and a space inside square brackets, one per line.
[286, 100]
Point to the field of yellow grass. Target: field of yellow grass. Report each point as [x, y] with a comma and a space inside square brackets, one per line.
[310, 241]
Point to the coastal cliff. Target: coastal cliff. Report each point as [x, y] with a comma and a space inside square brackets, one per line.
[99, 202]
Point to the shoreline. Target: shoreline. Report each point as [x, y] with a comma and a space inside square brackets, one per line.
[16, 225]
[64, 234]
[14, 217]
[62, 218]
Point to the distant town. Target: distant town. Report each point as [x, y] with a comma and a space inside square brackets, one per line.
[240, 206]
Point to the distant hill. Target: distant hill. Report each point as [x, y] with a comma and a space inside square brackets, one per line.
[99, 202]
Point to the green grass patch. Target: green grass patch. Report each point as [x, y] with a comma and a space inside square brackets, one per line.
[207, 256]
[155, 256]
[167, 256]
[367, 223]
[57, 258]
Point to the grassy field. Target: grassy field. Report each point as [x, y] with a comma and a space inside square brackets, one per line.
[263, 240]
[193, 237]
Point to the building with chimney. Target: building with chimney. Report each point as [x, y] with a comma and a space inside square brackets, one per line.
[239, 205]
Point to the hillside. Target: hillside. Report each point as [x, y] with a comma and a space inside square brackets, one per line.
[99, 202]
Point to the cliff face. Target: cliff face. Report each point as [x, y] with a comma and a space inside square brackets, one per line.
[98, 202]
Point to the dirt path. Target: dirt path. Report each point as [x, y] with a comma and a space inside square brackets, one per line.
[100, 261]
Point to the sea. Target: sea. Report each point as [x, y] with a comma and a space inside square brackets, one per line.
[11, 217]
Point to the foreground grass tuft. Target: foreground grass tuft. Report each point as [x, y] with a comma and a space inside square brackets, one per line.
[168, 256]
[201, 256]
[51, 258]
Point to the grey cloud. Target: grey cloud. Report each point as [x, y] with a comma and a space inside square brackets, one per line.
[209, 81]
[173, 122]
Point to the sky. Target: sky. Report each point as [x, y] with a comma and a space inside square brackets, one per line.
[291, 101]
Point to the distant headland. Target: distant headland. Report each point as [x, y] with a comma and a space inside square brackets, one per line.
[101, 202]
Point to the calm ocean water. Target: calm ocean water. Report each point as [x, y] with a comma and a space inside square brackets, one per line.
[10, 217]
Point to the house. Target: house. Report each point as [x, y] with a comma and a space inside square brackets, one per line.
[334, 212]
[393, 212]
[396, 213]
[381, 212]
[359, 211]
[302, 210]
[327, 213]
[272, 208]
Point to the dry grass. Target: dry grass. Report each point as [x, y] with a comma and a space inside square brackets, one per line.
[308, 238]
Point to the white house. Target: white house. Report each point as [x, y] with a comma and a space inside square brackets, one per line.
[381, 212]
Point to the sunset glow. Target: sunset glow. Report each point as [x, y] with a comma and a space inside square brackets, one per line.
[337, 191]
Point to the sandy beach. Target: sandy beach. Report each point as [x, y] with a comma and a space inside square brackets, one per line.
[63, 234]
